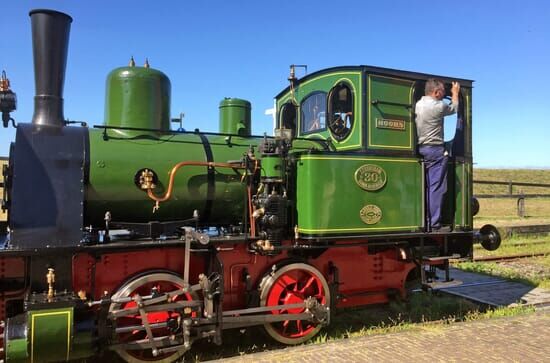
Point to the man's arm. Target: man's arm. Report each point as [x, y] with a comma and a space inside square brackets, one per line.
[453, 106]
[455, 91]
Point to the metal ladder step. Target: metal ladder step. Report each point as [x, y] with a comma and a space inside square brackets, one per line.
[441, 258]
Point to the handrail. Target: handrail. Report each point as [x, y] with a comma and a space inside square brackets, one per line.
[377, 101]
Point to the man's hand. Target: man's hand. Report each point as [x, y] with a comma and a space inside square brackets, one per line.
[455, 91]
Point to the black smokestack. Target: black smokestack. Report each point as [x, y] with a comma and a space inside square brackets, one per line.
[50, 42]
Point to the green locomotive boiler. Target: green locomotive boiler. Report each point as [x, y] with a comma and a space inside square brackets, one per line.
[133, 238]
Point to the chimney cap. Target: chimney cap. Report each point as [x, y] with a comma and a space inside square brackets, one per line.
[49, 11]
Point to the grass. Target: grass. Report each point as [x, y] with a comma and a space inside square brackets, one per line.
[532, 271]
[503, 212]
[526, 244]
[422, 311]
[541, 176]
[535, 272]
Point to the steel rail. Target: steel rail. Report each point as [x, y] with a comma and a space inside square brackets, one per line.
[510, 257]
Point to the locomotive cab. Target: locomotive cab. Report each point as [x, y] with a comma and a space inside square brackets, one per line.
[367, 115]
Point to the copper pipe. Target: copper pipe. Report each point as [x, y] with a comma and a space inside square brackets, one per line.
[176, 167]
[251, 218]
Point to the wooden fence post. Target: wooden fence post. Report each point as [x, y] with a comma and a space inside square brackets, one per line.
[521, 205]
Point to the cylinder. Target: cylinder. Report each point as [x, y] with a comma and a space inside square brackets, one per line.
[138, 97]
[235, 116]
[50, 43]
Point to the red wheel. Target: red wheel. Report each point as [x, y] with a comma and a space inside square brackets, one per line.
[144, 285]
[292, 284]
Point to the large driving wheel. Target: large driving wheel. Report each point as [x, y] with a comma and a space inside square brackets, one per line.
[159, 283]
[292, 284]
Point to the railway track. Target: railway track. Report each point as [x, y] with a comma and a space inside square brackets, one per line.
[539, 229]
[523, 244]
[509, 257]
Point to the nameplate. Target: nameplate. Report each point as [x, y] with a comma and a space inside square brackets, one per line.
[385, 123]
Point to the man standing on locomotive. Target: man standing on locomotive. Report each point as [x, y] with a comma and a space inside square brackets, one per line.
[430, 111]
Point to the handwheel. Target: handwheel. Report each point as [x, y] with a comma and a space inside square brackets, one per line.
[292, 284]
[159, 282]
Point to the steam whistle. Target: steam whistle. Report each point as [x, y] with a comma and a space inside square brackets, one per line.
[292, 77]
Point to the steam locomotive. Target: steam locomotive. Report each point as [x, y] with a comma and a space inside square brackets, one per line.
[135, 238]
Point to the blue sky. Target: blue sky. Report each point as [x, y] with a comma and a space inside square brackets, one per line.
[216, 49]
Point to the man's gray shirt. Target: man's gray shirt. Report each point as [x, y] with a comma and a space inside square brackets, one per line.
[429, 119]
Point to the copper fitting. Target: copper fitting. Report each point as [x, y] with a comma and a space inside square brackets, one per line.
[4, 83]
[82, 295]
[146, 180]
[258, 213]
[265, 245]
[50, 279]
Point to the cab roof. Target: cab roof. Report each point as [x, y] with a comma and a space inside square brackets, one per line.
[381, 71]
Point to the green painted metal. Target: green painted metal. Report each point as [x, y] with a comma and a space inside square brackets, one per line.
[15, 339]
[50, 334]
[325, 83]
[114, 164]
[457, 204]
[17, 351]
[454, 200]
[235, 117]
[83, 345]
[330, 201]
[388, 127]
[137, 97]
[272, 167]
[390, 124]
[463, 195]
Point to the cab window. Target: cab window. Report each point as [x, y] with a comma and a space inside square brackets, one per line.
[340, 111]
[287, 117]
[313, 113]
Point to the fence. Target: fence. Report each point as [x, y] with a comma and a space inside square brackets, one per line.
[520, 197]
